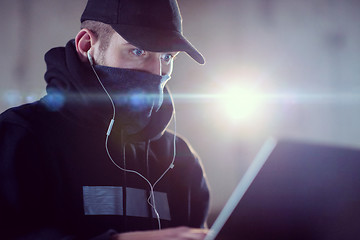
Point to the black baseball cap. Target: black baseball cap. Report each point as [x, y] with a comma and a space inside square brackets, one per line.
[152, 25]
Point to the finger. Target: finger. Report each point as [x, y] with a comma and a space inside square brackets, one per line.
[195, 234]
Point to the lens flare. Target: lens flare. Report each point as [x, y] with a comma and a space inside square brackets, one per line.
[12, 97]
[54, 100]
[241, 103]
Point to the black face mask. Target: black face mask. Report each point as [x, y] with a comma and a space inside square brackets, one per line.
[136, 94]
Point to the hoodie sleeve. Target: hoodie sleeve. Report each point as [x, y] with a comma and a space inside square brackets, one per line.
[189, 168]
[22, 184]
[27, 186]
[198, 196]
[188, 179]
[26, 189]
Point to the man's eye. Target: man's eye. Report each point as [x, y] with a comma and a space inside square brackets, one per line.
[167, 57]
[138, 52]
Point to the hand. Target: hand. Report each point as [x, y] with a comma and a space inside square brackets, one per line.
[178, 233]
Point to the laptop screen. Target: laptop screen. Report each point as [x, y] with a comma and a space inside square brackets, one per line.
[302, 191]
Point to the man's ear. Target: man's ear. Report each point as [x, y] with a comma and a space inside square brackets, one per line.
[84, 41]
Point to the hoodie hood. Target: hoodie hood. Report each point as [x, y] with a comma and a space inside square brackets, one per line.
[74, 91]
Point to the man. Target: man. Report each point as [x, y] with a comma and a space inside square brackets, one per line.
[93, 158]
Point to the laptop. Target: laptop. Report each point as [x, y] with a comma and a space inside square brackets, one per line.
[294, 190]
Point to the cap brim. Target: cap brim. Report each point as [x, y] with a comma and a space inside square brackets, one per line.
[158, 40]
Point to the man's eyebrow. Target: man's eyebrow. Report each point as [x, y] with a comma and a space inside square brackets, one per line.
[130, 45]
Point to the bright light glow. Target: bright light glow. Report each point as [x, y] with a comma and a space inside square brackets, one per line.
[54, 100]
[12, 97]
[15, 97]
[241, 103]
[31, 98]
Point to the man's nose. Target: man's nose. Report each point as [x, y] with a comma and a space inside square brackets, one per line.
[153, 65]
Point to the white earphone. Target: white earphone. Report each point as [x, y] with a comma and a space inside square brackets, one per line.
[152, 186]
[90, 58]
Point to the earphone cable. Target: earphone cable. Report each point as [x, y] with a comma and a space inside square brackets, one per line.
[107, 93]
[152, 195]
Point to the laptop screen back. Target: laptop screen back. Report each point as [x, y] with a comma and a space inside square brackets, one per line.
[303, 191]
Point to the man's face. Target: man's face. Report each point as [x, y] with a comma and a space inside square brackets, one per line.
[121, 54]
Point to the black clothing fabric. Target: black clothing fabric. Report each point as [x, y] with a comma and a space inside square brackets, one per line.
[53, 149]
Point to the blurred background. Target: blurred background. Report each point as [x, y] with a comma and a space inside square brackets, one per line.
[281, 68]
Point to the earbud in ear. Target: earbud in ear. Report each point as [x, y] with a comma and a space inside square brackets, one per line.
[90, 58]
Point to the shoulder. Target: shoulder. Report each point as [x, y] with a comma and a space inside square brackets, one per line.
[17, 116]
[27, 118]
[16, 124]
[21, 115]
[18, 136]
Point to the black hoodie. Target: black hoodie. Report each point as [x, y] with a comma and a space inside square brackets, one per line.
[57, 181]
